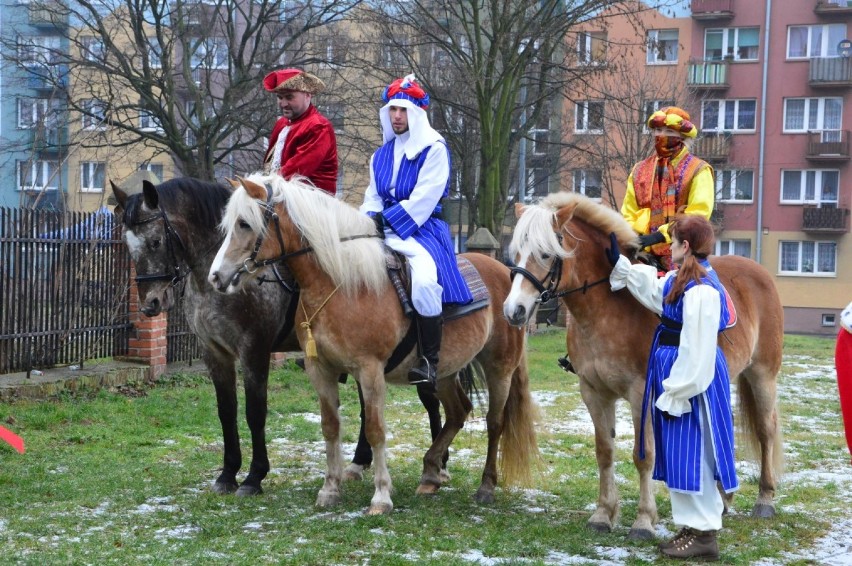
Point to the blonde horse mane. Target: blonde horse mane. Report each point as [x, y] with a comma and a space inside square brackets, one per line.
[324, 223]
[535, 235]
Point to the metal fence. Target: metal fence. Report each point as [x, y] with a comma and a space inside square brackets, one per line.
[64, 283]
[182, 344]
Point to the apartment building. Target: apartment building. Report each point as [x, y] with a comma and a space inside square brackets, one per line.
[768, 85]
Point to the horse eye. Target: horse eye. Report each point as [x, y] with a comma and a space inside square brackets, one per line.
[243, 225]
[545, 256]
[155, 244]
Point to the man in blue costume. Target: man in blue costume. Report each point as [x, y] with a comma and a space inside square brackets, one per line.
[409, 175]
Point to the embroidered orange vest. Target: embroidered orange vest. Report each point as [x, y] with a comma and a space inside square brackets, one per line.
[665, 195]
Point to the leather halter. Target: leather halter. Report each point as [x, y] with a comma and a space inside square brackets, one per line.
[548, 286]
[170, 237]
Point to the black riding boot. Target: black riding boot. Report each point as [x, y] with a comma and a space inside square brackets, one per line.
[424, 372]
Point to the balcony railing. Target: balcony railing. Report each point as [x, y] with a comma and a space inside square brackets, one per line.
[830, 71]
[712, 9]
[47, 14]
[49, 140]
[825, 219]
[833, 7]
[707, 74]
[47, 77]
[713, 147]
[828, 145]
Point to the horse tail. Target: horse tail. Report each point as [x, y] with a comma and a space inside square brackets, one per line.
[758, 420]
[474, 384]
[518, 446]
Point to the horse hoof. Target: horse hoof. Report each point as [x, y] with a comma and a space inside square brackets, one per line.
[380, 509]
[353, 472]
[427, 489]
[249, 490]
[484, 497]
[599, 527]
[328, 499]
[223, 488]
[763, 511]
[640, 534]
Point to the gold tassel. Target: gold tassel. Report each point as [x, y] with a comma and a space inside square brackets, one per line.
[310, 343]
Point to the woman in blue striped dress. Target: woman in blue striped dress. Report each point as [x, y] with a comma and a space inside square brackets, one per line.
[688, 389]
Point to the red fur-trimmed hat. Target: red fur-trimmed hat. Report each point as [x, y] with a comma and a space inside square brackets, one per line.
[293, 79]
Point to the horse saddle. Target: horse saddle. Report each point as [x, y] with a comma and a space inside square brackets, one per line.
[401, 281]
[402, 285]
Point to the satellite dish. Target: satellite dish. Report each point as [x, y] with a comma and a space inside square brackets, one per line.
[844, 48]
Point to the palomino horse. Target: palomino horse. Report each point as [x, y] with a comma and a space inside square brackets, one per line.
[172, 233]
[350, 319]
[559, 245]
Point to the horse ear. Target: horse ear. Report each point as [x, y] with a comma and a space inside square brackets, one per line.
[519, 209]
[120, 196]
[150, 195]
[233, 184]
[254, 190]
[566, 213]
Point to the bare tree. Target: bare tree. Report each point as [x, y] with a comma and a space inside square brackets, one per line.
[489, 62]
[182, 76]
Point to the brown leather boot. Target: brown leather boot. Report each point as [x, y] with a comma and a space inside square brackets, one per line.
[695, 545]
[675, 539]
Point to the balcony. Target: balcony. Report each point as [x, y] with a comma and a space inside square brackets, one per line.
[712, 147]
[825, 219]
[833, 7]
[49, 141]
[828, 145]
[710, 10]
[47, 77]
[707, 75]
[830, 72]
[48, 15]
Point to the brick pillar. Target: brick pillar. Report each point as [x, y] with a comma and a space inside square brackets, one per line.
[147, 342]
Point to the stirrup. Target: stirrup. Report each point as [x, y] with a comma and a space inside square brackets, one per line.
[417, 377]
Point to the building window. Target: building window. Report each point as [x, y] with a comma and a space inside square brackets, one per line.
[393, 55]
[31, 112]
[662, 46]
[591, 47]
[814, 41]
[94, 114]
[37, 175]
[807, 258]
[92, 48]
[809, 114]
[728, 115]
[540, 136]
[589, 117]
[828, 320]
[537, 183]
[155, 168]
[588, 182]
[335, 112]
[92, 176]
[811, 186]
[38, 50]
[211, 53]
[734, 247]
[739, 43]
[149, 123]
[735, 185]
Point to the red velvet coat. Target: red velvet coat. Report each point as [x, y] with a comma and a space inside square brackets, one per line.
[843, 362]
[310, 149]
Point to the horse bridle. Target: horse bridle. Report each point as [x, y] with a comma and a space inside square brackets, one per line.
[548, 285]
[251, 264]
[170, 236]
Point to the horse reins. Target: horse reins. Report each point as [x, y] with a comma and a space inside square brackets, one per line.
[176, 276]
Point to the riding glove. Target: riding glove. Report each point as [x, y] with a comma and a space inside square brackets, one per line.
[646, 240]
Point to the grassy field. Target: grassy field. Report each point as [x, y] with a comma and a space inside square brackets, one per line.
[122, 477]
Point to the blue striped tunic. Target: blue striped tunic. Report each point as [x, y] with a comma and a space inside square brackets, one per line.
[434, 234]
[678, 441]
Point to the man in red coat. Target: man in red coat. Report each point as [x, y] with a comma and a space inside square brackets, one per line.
[843, 362]
[302, 141]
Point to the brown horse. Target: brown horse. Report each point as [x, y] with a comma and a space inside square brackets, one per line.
[559, 245]
[350, 320]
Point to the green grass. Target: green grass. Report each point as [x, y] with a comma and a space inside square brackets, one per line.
[123, 478]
